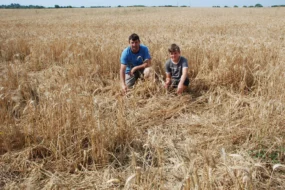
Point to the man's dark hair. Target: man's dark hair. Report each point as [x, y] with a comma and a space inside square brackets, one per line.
[134, 37]
[174, 48]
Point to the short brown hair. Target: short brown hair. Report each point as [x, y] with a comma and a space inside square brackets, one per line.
[173, 48]
[134, 37]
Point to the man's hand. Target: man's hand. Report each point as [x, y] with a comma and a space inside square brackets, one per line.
[167, 83]
[124, 88]
[132, 72]
[168, 80]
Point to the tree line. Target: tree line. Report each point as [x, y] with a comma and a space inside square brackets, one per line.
[251, 6]
[18, 6]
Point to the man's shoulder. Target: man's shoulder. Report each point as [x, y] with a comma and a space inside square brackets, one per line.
[168, 62]
[126, 51]
[183, 61]
[183, 58]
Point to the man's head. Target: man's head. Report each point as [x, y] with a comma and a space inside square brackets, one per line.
[134, 41]
[174, 48]
[174, 52]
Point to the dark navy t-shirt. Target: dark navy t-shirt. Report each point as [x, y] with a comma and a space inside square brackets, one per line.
[175, 70]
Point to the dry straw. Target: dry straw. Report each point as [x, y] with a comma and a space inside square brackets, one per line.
[64, 123]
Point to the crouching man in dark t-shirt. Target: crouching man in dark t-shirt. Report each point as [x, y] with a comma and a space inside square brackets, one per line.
[176, 70]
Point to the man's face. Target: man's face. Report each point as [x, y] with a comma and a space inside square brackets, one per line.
[175, 56]
[135, 45]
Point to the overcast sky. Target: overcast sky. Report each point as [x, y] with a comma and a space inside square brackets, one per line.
[192, 3]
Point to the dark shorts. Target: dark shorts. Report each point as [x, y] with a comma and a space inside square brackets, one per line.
[174, 83]
[131, 80]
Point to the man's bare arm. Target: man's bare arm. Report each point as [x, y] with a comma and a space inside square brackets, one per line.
[122, 77]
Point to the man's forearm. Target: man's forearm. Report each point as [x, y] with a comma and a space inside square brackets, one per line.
[168, 80]
[122, 76]
[142, 66]
[147, 63]
[182, 79]
[139, 67]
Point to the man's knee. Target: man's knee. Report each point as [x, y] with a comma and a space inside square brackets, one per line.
[130, 80]
[148, 72]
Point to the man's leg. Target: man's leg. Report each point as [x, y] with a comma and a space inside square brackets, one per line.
[149, 74]
[146, 73]
[175, 83]
[130, 80]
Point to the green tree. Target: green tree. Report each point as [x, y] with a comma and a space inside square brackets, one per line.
[56, 6]
[258, 5]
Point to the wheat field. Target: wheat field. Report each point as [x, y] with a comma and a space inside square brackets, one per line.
[64, 123]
